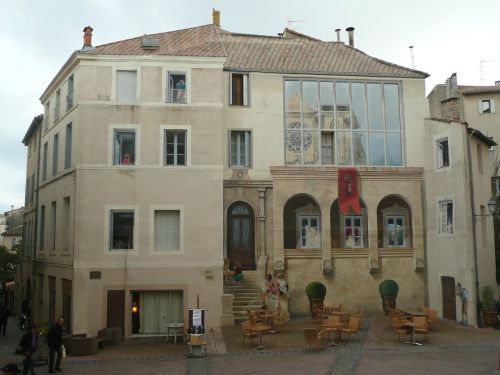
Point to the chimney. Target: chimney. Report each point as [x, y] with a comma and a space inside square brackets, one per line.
[338, 34]
[216, 17]
[350, 31]
[87, 36]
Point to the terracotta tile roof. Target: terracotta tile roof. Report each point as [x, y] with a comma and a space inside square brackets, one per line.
[296, 54]
[467, 90]
[195, 41]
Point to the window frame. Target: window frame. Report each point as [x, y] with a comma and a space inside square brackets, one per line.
[300, 228]
[171, 96]
[57, 105]
[442, 201]
[114, 84]
[245, 100]
[175, 133]
[438, 139]
[152, 247]
[70, 95]
[55, 154]
[343, 227]
[111, 144]
[162, 145]
[248, 164]
[68, 146]
[175, 69]
[109, 209]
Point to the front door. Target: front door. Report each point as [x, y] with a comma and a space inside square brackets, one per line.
[240, 235]
[116, 309]
[449, 298]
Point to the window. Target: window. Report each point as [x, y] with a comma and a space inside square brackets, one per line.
[44, 166]
[41, 243]
[395, 227]
[68, 146]
[240, 148]
[309, 231]
[479, 150]
[32, 190]
[443, 154]
[122, 230]
[445, 217]
[176, 92]
[46, 117]
[167, 230]
[57, 106]
[485, 106]
[124, 147]
[239, 89]
[65, 222]
[126, 86]
[53, 209]
[55, 154]
[342, 123]
[353, 231]
[175, 147]
[69, 96]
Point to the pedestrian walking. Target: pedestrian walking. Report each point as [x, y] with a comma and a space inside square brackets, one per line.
[54, 340]
[4, 317]
[28, 345]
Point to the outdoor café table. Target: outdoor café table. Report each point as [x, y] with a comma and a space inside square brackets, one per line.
[412, 325]
[332, 327]
[259, 328]
[268, 317]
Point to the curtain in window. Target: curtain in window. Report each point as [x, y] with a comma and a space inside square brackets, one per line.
[167, 230]
[149, 312]
[126, 81]
[158, 309]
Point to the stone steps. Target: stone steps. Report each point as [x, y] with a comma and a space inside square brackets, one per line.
[246, 295]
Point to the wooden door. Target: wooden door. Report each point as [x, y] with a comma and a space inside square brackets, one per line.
[116, 309]
[449, 298]
[240, 235]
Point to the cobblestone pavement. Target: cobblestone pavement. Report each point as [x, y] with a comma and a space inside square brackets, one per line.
[451, 350]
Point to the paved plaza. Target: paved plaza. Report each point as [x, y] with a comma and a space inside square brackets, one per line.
[451, 349]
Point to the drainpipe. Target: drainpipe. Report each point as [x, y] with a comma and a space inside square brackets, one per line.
[474, 236]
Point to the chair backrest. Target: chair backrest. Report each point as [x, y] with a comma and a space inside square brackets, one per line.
[311, 335]
[354, 322]
[420, 321]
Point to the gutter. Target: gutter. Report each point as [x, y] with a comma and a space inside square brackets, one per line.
[474, 235]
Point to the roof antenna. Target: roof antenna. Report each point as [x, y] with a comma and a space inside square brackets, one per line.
[412, 59]
[290, 22]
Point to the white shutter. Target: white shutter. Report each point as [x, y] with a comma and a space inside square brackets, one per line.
[126, 83]
[245, 89]
[480, 106]
[492, 103]
[230, 88]
[167, 230]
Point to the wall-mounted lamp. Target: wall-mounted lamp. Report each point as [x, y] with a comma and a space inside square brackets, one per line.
[492, 206]
[135, 309]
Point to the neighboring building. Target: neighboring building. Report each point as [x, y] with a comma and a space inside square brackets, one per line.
[13, 232]
[3, 225]
[161, 155]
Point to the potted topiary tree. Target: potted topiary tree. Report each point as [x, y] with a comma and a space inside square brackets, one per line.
[388, 290]
[488, 306]
[316, 293]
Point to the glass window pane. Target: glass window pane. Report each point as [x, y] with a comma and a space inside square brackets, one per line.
[343, 105]
[360, 144]
[344, 148]
[375, 106]
[310, 140]
[122, 230]
[293, 121]
[236, 238]
[394, 152]
[377, 149]
[245, 233]
[327, 149]
[292, 96]
[391, 97]
[358, 106]
[310, 120]
[239, 210]
[327, 105]
[310, 96]
[293, 139]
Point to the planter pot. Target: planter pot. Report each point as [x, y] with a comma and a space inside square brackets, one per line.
[315, 305]
[388, 302]
[490, 318]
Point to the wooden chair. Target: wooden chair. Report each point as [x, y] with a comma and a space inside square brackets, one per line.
[253, 316]
[279, 321]
[354, 324]
[431, 318]
[422, 327]
[314, 339]
[247, 333]
[397, 327]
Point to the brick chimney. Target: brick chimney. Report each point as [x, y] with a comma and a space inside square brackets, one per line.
[87, 36]
[216, 17]
[350, 31]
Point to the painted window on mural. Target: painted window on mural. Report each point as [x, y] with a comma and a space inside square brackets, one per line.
[309, 231]
[342, 123]
[353, 231]
[395, 227]
[446, 217]
[122, 230]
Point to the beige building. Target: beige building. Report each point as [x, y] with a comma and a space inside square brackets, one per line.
[160, 155]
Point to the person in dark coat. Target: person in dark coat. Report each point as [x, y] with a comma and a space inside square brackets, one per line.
[54, 340]
[4, 316]
[29, 344]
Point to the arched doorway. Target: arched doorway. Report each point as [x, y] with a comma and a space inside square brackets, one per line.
[241, 235]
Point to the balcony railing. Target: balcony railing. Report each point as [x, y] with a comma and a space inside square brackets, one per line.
[176, 96]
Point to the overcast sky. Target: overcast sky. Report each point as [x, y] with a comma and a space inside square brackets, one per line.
[37, 37]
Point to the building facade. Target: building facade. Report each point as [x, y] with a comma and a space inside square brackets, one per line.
[161, 155]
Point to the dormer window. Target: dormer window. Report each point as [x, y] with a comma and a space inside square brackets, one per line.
[176, 92]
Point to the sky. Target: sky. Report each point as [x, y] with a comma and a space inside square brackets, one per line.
[37, 37]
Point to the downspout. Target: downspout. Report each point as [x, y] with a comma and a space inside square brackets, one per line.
[474, 236]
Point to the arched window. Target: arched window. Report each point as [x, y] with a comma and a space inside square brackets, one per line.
[301, 223]
[394, 223]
